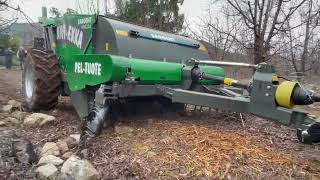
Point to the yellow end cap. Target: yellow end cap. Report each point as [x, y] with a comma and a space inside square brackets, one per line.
[284, 94]
[228, 81]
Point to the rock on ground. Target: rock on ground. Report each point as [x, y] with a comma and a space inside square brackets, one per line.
[2, 123]
[50, 159]
[63, 176]
[18, 115]
[71, 142]
[16, 156]
[38, 119]
[84, 153]
[63, 146]
[12, 120]
[79, 169]
[50, 148]
[14, 103]
[67, 155]
[24, 151]
[76, 137]
[17, 148]
[48, 171]
[7, 108]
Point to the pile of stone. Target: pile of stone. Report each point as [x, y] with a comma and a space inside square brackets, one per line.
[12, 115]
[57, 161]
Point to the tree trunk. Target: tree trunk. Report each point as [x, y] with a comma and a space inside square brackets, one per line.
[260, 50]
[304, 56]
[160, 21]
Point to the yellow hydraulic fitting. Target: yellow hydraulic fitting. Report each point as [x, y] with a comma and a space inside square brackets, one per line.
[229, 81]
[275, 79]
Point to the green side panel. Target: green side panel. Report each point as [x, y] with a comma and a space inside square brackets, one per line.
[156, 72]
[93, 70]
[212, 70]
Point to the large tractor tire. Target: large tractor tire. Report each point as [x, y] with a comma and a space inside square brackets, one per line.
[41, 80]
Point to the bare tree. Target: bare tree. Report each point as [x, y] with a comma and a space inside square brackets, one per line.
[265, 19]
[87, 6]
[5, 23]
[303, 43]
[224, 33]
[119, 7]
[9, 14]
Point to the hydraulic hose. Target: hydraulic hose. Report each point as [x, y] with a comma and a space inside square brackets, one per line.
[226, 81]
[197, 74]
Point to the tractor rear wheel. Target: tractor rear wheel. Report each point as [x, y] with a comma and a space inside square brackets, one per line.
[41, 80]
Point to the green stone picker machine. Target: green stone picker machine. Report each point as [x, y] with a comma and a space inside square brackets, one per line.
[102, 64]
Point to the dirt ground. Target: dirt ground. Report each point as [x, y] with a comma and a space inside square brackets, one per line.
[215, 145]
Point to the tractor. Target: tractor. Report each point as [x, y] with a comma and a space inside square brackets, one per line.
[103, 64]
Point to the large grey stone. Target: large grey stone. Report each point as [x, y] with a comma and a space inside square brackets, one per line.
[84, 153]
[63, 146]
[48, 171]
[18, 115]
[71, 142]
[67, 155]
[24, 151]
[50, 159]
[63, 176]
[2, 123]
[7, 108]
[14, 103]
[79, 169]
[50, 148]
[12, 120]
[76, 137]
[38, 119]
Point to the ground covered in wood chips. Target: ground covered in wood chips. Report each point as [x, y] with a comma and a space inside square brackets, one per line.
[207, 145]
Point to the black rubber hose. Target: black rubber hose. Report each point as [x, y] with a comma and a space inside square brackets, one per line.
[197, 74]
[214, 78]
